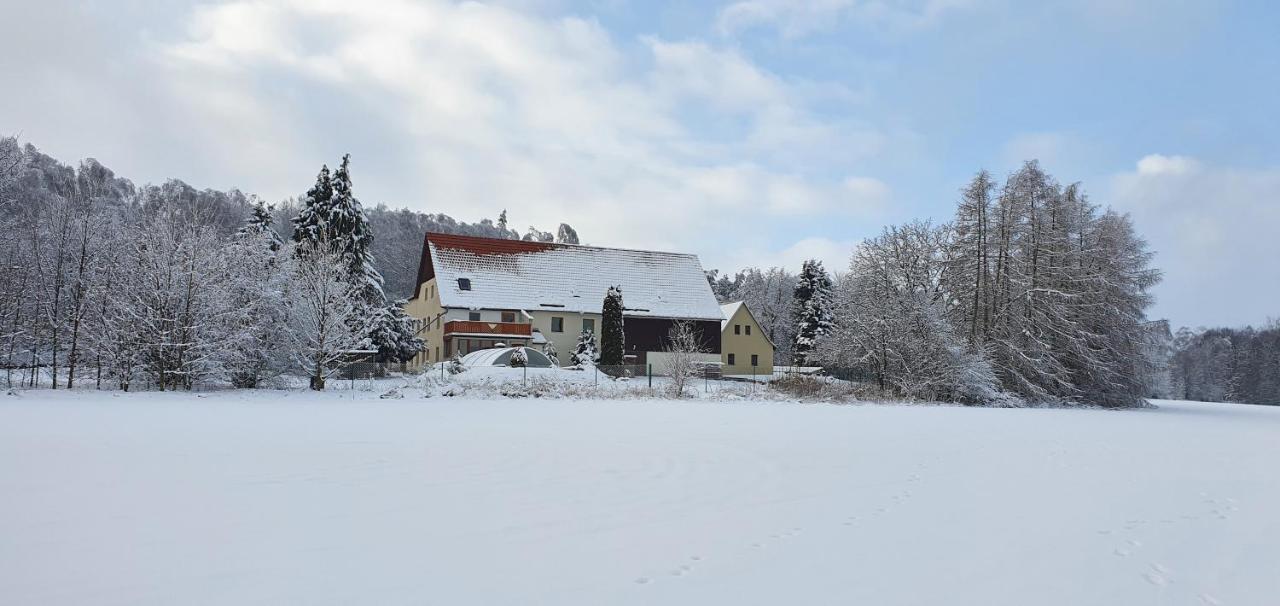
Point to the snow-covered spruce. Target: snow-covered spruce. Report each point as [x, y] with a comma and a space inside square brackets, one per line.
[586, 352]
[811, 312]
[611, 333]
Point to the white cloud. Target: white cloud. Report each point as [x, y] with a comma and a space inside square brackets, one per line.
[1214, 230]
[481, 107]
[1156, 164]
[792, 18]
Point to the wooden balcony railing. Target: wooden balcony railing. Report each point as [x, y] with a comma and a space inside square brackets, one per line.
[467, 327]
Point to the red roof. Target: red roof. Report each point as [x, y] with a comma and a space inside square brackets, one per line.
[474, 245]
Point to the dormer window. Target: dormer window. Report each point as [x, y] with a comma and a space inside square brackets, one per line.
[464, 283]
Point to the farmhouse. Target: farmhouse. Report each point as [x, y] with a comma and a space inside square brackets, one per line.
[745, 349]
[478, 293]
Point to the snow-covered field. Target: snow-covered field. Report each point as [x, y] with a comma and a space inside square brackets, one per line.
[343, 498]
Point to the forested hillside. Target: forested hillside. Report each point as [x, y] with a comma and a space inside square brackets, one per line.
[178, 285]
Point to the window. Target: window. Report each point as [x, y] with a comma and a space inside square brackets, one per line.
[508, 316]
[731, 362]
[737, 329]
[755, 360]
[557, 324]
[473, 316]
[464, 283]
[748, 329]
[589, 325]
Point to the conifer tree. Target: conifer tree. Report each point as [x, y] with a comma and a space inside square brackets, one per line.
[259, 224]
[349, 229]
[611, 335]
[308, 225]
[393, 334]
[812, 309]
[585, 353]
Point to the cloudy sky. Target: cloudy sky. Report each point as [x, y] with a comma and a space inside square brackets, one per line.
[751, 132]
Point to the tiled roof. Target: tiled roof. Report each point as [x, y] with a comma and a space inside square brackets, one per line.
[513, 274]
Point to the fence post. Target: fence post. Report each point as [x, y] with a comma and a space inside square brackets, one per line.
[651, 374]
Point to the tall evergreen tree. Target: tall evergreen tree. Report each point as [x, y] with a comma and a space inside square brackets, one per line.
[333, 215]
[812, 297]
[308, 226]
[349, 229]
[611, 334]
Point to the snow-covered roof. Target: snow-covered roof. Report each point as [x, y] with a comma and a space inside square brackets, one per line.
[728, 309]
[488, 273]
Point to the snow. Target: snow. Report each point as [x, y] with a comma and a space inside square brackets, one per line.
[342, 497]
[571, 278]
[726, 312]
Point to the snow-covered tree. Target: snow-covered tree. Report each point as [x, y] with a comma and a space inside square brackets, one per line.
[770, 294]
[455, 365]
[260, 224]
[393, 334]
[550, 350]
[812, 315]
[682, 348]
[326, 317]
[256, 287]
[518, 359]
[566, 234]
[890, 321]
[536, 235]
[177, 281]
[612, 339]
[310, 223]
[586, 352]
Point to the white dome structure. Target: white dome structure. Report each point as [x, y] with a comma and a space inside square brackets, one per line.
[501, 356]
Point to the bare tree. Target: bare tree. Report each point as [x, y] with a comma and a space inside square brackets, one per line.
[682, 349]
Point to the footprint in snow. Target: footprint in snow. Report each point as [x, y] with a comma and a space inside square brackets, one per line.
[1158, 575]
[1209, 600]
[642, 581]
[1124, 553]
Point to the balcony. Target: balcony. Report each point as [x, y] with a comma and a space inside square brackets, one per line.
[487, 329]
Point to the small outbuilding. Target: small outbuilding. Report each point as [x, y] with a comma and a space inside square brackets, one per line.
[745, 349]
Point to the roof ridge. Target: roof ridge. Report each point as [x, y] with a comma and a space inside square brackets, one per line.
[429, 234]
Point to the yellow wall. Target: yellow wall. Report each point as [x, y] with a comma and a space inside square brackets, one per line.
[426, 307]
[742, 346]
